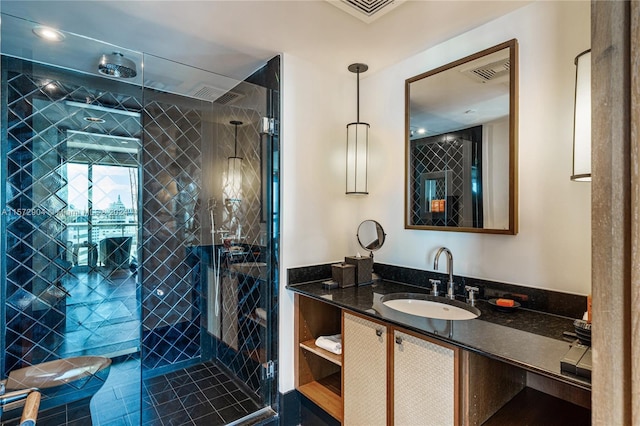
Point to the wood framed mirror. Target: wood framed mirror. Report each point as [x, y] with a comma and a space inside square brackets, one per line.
[461, 149]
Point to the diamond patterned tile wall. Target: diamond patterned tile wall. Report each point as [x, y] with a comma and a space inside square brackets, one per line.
[448, 166]
[36, 208]
[242, 347]
[432, 157]
[166, 158]
[171, 226]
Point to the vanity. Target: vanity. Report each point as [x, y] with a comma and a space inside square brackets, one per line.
[404, 369]
[402, 366]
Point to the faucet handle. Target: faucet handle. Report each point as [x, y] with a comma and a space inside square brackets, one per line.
[434, 286]
[471, 298]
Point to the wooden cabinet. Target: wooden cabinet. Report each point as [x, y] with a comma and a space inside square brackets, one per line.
[318, 372]
[425, 381]
[391, 376]
[384, 375]
[394, 377]
[364, 371]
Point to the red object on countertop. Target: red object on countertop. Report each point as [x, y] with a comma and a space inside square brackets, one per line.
[508, 303]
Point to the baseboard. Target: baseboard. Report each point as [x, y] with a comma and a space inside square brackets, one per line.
[296, 409]
[289, 411]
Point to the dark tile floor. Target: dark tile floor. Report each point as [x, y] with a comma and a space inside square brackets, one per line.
[199, 395]
[102, 314]
[103, 319]
[117, 403]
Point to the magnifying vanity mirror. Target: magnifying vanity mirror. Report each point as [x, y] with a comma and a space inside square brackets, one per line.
[370, 236]
[461, 144]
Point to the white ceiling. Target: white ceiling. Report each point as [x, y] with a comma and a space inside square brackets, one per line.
[234, 38]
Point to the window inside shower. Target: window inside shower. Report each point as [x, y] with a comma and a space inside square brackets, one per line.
[120, 240]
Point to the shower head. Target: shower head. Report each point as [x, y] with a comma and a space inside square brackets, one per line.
[116, 65]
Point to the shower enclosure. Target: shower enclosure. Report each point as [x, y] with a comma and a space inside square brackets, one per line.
[139, 224]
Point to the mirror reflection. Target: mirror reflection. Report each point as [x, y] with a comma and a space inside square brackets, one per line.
[461, 144]
[370, 235]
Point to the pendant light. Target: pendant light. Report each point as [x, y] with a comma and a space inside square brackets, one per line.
[582, 120]
[234, 174]
[357, 144]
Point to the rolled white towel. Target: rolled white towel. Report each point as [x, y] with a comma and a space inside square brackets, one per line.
[330, 343]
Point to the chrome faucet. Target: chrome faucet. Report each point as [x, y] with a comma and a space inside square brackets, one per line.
[450, 293]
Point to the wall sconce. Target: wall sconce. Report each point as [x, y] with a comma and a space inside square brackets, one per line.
[357, 145]
[234, 171]
[582, 120]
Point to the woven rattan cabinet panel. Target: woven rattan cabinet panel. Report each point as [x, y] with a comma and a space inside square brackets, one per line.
[424, 382]
[364, 371]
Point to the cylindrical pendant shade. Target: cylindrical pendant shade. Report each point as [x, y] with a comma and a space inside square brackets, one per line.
[357, 158]
[582, 120]
[234, 179]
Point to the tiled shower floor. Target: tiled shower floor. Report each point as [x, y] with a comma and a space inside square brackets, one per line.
[102, 316]
[102, 320]
[199, 395]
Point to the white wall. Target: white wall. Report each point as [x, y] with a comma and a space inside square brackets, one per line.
[314, 206]
[552, 248]
[495, 170]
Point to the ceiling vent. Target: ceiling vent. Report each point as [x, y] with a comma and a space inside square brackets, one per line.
[366, 10]
[220, 96]
[228, 98]
[497, 71]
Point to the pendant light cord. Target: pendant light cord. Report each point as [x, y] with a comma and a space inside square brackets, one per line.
[358, 95]
[235, 146]
[236, 123]
[358, 68]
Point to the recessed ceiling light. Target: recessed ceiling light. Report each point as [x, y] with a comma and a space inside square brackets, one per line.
[422, 131]
[93, 120]
[48, 33]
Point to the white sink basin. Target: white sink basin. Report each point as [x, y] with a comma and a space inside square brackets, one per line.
[429, 307]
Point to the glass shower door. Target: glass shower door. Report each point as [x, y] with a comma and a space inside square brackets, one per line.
[244, 340]
[105, 196]
[65, 149]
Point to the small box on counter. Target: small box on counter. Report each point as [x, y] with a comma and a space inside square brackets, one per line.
[584, 367]
[344, 274]
[364, 268]
[569, 363]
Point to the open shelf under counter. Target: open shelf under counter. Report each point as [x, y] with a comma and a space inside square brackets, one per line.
[318, 371]
[310, 345]
[532, 407]
[327, 393]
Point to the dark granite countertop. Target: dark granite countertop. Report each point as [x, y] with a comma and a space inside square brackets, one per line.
[526, 338]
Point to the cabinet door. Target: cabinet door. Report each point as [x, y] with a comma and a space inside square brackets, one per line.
[364, 369]
[424, 382]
